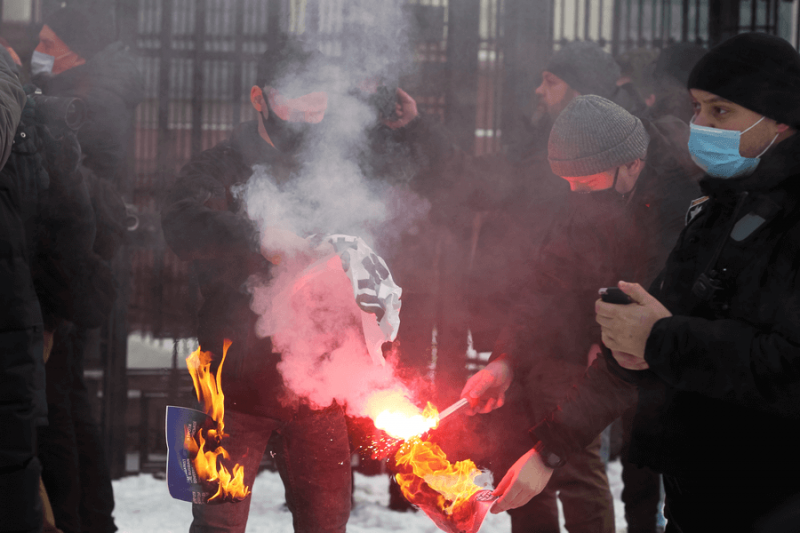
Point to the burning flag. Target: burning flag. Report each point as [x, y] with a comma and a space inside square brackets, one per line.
[194, 467]
[446, 492]
[209, 392]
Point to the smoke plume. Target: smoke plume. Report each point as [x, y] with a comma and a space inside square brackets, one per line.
[308, 307]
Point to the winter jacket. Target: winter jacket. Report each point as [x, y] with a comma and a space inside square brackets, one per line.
[76, 245]
[723, 388]
[204, 223]
[19, 307]
[21, 362]
[111, 86]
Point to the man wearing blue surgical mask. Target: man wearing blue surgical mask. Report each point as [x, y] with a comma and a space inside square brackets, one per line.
[728, 140]
[714, 346]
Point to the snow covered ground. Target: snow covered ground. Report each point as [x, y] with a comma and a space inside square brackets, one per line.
[143, 505]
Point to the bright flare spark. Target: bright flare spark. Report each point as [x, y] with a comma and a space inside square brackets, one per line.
[394, 413]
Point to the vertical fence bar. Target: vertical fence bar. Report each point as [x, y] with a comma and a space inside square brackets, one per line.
[463, 42]
[697, 22]
[576, 20]
[587, 15]
[753, 15]
[640, 23]
[198, 75]
[685, 21]
[617, 25]
[273, 22]
[237, 62]
[653, 24]
[601, 39]
[629, 25]
[164, 66]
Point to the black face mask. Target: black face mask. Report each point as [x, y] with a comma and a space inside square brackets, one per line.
[288, 136]
[608, 195]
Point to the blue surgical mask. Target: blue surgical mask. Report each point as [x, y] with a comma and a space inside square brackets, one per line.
[716, 151]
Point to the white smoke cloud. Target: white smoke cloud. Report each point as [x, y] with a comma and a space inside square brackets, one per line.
[311, 314]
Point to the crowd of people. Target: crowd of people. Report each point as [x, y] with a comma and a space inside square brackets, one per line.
[668, 175]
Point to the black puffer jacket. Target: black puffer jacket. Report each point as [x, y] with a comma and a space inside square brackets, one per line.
[723, 388]
[111, 86]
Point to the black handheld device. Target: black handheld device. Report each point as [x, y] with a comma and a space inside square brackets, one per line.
[614, 295]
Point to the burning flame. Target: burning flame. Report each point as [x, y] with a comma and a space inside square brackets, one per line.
[432, 479]
[209, 392]
[394, 413]
[426, 477]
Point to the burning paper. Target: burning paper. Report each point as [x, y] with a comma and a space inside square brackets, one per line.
[197, 454]
[446, 492]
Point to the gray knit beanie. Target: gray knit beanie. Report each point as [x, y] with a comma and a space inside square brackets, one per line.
[586, 68]
[593, 135]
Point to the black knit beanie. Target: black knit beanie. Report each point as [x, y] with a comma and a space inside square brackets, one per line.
[586, 68]
[758, 71]
[85, 34]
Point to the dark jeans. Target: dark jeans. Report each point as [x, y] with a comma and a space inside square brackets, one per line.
[642, 487]
[582, 487]
[74, 468]
[313, 456]
[20, 505]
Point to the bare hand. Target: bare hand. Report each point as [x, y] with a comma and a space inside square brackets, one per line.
[631, 362]
[524, 480]
[486, 390]
[626, 327]
[405, 109]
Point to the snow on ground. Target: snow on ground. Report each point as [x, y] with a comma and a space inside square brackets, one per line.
[143, 505]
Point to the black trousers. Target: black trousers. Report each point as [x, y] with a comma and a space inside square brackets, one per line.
[642, 487]
[74, 467]
[20, 506]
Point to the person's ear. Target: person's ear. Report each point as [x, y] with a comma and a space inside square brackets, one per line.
[257, 99]
[634, 166]
[782, 127]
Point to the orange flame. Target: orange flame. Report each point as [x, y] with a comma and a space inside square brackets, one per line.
[209, 392]
[450, 485]
[426, 477]
[394, 413]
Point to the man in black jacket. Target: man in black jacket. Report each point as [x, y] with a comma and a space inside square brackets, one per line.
[21, 341]
[713, 347]
[205, 223]
[77, 58]
[627, 183]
